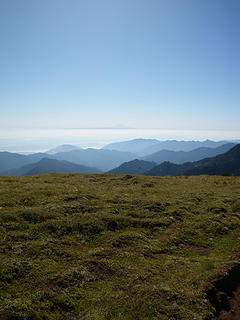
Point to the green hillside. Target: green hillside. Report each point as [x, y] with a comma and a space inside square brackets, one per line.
[105, 247]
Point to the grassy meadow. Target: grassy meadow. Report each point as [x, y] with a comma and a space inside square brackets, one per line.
[106, 247]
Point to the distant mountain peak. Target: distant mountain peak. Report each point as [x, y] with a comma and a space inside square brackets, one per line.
[63, 148]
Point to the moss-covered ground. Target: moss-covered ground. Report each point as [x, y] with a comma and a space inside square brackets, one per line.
[100, 247]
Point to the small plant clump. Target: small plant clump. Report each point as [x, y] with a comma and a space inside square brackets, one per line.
[99, 247]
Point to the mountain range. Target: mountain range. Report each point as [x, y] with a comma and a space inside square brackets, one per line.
[90, 160]
[144, 147]
[104, 160]
[187, 156]
[227, 163]
[46, 165]
[140, 166]
[9, 160]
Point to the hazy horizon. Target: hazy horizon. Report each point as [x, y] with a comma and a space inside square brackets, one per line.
[42, 140]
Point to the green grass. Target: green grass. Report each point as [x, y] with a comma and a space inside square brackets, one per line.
[101, 247]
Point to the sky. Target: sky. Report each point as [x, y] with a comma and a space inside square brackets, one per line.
[167, 64]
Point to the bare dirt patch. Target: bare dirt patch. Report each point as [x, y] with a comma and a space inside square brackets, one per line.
[224, 295]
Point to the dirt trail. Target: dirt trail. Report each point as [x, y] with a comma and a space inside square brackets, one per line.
[224, 295]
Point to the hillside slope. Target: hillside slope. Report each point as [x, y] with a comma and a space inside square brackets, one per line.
[133, 167]
[118, 246]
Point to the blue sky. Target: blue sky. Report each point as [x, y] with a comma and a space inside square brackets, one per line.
[168, 64]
